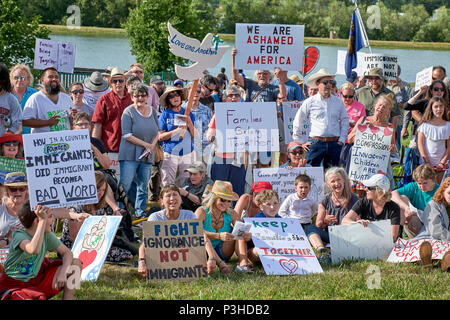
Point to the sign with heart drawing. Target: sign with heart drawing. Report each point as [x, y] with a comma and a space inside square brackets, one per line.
[283, 246]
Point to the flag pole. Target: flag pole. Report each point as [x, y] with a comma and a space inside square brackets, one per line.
[361, 23]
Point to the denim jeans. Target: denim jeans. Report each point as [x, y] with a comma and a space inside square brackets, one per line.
[142, 171]
[328, 152]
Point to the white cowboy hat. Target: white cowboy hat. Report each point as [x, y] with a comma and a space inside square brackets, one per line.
[311, 83]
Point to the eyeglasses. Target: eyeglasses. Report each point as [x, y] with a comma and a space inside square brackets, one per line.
[118, 80]
[15, 189]
[347, 97]
[140, 96]
[233, 95]
[77, 91]
[83, 124]
[372, 78]
[11, 143]
[19, 78]
[173, 95]
[438, 89]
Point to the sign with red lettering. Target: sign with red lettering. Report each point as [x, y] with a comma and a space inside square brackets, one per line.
[283, 246]
[408, 250]
[174, 250]
[266, 46]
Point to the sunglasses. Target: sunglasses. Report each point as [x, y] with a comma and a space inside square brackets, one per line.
[332, 82]
[15, 189]
[77, 91]
[210, 90]
[11, 143]
[371, 188]
[224, 200]
[233, 95]
[140, 96]
[173, 95]
[438, 89]
[297, 152]
[118, 80]
[19, 78]
[347, 97]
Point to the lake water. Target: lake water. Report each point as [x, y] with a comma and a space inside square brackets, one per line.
[97, 52]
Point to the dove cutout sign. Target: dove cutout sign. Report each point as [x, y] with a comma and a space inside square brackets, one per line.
[206, 54]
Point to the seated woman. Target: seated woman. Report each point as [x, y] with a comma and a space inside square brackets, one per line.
[246, 207]
[170, 198]
[218, 221]
[296, 156]
[11, 146]
[377, 205]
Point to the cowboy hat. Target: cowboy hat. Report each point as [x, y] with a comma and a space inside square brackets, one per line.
[95, 82]
[169, 89]
[311, 83]
[15, 179]
[224, 190]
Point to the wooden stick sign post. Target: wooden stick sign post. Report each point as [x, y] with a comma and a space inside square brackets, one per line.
[206, 54]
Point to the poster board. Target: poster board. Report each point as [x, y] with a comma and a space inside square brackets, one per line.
[60, 168]
[370, 153]
[247, 126]
[283, 246]
[386, 62]
[93, 243]
[290, 109]
[355, 241]
[341, 56]
[8, 165]
[283, 180]
[54, 53]
[266, 46]
[424, 77]
[174, 250]
[408, 250]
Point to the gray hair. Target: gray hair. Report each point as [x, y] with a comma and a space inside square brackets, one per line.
[347, 193]
[233, 89]
[138, 87]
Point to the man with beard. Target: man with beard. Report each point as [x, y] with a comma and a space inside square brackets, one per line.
[48, 109]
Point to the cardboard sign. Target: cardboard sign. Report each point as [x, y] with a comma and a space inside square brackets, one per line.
[266, 46]
[175, 250]
[8, 165]
[341, 56]
[290, 109]
[93, 243]
[283, 180]
[408, 250]
[358, 242]
[283, 246]
[247, 126]
[48, 53]
[370, 153]
[60, 168]
[424, 78]
[386, 62]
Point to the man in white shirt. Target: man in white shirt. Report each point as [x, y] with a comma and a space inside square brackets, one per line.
[328, 120]
[48, 109]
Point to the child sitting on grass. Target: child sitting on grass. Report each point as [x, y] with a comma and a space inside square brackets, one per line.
[28, 274]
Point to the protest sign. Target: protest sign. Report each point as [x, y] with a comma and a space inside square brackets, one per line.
[266, 46]
[424, 78]
[247, 126]
[408, 250]
[3, 255]
[290, 109]
[175, 250]
[358, 242]
[283, 180]
[386, 62]
[93, 243]
[60, 168]
[8, 165]
[283, 246]
[60, 55]
[342, 55]
[370, 153]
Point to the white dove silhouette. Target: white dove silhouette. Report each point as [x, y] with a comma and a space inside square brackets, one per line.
[203, 54]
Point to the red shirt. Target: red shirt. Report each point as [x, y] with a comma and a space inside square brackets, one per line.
[108, 112]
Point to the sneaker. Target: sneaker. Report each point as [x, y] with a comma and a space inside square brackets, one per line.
[322, 250]
[445, 263]
[325, 259]
[425, 252]
[243, 269]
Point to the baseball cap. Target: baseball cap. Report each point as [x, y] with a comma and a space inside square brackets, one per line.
[378, 180]
[294, 144]
[259, 186]
[196, 168]
[156, 80]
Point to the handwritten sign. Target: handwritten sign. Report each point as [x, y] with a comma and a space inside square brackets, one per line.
[370, 153]
[386, 62]
[283, 180]
[60, 168]
[283, 246]
[357, 242]
[247, 126]
[93, 243]
[8, 165]
[266, 46]
[175, 250]
[424, 78]
[408, 250]
[290, 109]
[54, 53]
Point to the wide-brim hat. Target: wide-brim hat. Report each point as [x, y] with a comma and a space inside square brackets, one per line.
[117, 72]
[224, 190]
[318, 75]
[378, 180]
[169, 89]
[96, 82]
[376, 72]
[15, 179]
[9, 136]
[297, 79]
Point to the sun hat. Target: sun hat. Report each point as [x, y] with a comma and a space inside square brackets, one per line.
[117, 72]
[95, 82]
[156, 80]
[15, 179]
[293, 144]
[318, 75]
[196, 168]
[259, 186]
[9, 136]
[377, 72]
[297, 79]
[224, 190]
[169, 89]
[378, 180]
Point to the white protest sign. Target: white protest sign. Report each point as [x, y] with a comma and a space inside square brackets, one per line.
[358, 242]
[60, 168]
[408, 250]
[290, 109]
[247, 126]
[283, 246]
[370, 153]
[48, 53]
[93, 243]
[386, 62]
[3, 255]
[341, 56]
[266, 46]
[239, 229]
[283, 180]
[424, 78]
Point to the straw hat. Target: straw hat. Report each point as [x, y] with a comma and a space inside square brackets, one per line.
[117, 72]
[169, 89]
[297, 79]
[224, 190]
[95, 82]
[15, 179]
[311, 83]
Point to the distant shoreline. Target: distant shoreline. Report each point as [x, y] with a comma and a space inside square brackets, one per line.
[121, 33]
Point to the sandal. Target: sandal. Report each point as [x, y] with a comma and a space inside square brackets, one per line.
[224, 267]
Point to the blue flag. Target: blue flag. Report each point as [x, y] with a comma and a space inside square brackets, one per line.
[355, 42]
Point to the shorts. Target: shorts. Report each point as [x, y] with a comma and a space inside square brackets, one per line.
[219, 251]
[311, 229]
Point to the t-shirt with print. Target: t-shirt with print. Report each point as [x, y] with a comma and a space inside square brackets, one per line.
[268, 94]
[23, 266]
[40, 107]
[175, 145]
[10, 113]
[364, 208]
